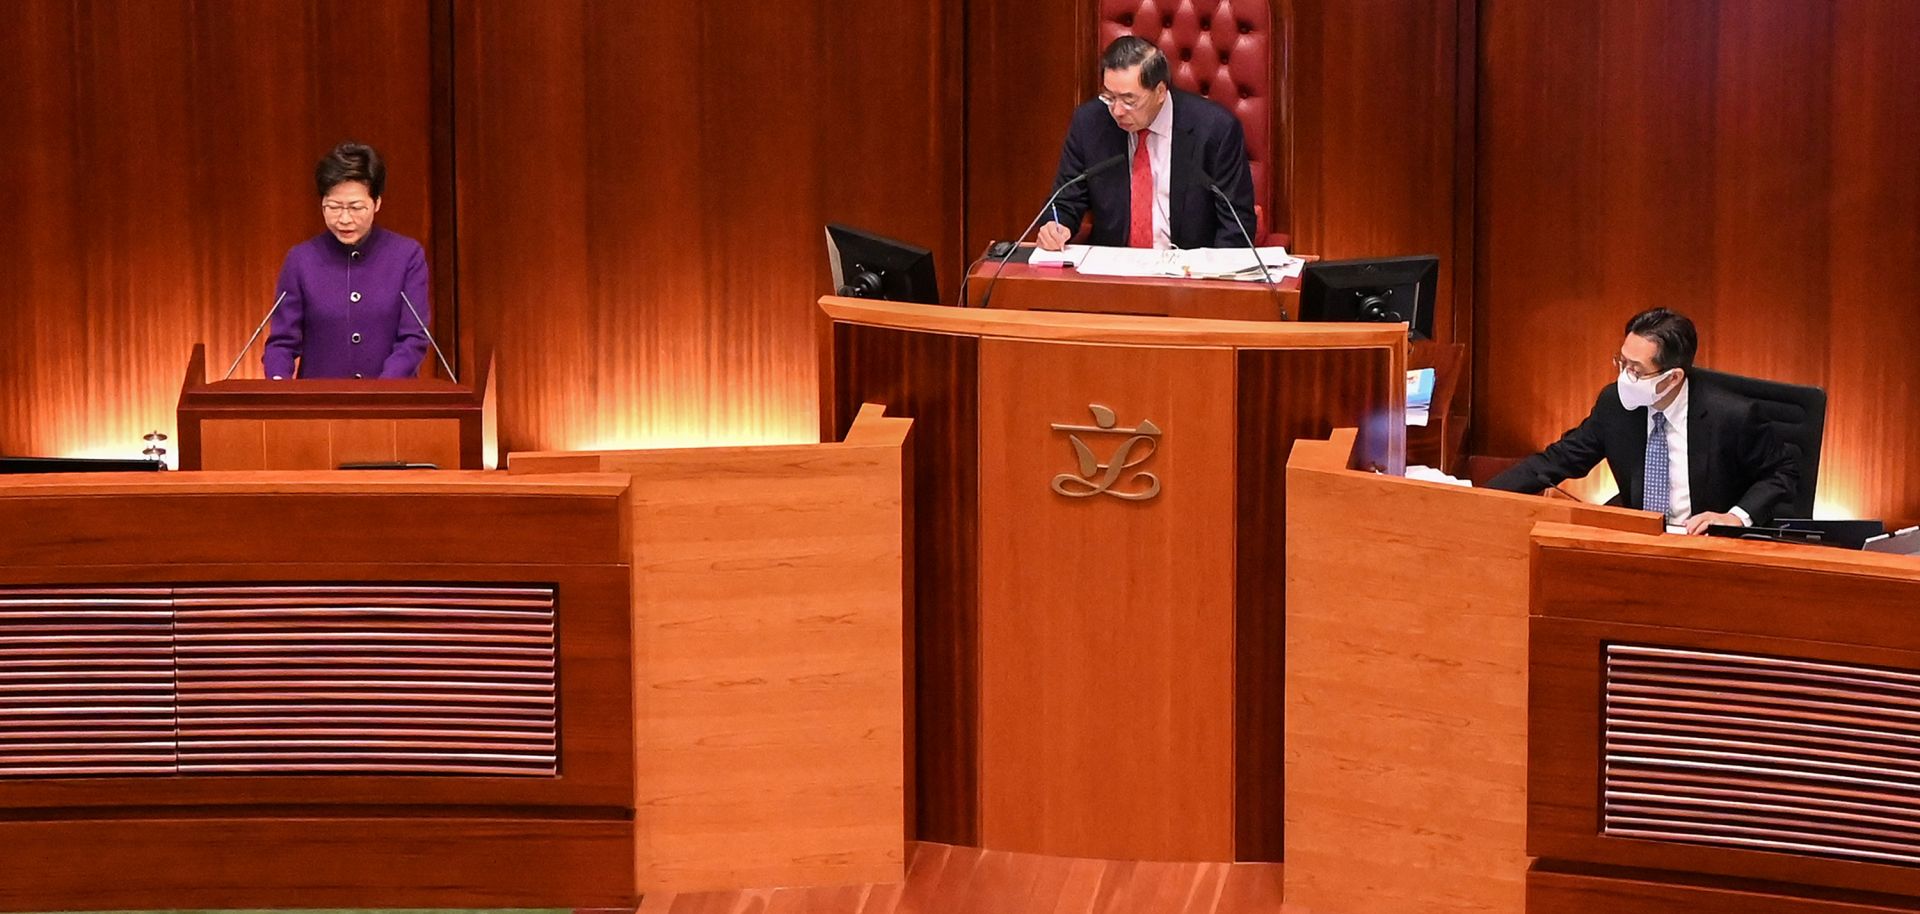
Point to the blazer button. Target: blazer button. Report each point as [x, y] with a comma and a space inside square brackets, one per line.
[356, 337]
[358, 375]
[353, 296]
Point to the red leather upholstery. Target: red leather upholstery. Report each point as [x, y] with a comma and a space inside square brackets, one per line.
[1222, 50]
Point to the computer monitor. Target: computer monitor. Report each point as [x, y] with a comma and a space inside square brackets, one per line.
[1386, 290]
[10, 465]
[866, 265]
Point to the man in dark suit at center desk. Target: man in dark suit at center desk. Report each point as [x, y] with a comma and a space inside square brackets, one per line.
[1698, 454]
[1177, 146]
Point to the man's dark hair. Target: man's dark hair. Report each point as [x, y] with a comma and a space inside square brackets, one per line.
[1129, 50]
[1672, 332]
[351, 162]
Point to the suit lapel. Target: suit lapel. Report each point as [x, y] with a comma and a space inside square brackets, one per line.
[1634, 461]
[1700, 443]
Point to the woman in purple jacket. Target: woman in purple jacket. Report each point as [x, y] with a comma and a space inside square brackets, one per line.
[344, 314]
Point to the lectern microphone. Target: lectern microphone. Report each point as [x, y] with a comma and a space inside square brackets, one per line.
[255, 336]
[436, 346]
[1265, 273]
[986, 298]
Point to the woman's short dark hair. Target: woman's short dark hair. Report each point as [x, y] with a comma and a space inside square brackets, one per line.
[1131, 50]
[351, 162]
[1672, 332]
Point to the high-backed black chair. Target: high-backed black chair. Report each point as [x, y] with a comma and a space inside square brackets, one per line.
[1798, 416]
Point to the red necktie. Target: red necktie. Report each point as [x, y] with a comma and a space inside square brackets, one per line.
[1140, 229]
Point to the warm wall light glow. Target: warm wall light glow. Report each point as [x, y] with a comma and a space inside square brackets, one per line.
[670, 441]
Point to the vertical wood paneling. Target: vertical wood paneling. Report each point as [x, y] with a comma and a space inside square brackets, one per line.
[1348, 389]
[1375, 153]
[641, 219]
[1749, 164]
[1028, 65]
[162, 168]
[932, 379]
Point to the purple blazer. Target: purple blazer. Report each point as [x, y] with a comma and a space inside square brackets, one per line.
[343, 317]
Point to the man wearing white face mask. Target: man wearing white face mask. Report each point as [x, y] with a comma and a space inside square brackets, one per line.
[1697, 454]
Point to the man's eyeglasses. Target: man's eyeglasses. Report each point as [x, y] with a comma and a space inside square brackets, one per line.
[335, 209]
[1126, 102]
[1632, 369]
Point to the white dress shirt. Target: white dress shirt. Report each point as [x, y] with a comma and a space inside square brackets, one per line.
[1160, 158]
[1680, 496]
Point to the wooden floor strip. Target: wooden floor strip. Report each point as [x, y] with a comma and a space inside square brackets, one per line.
[943, 879]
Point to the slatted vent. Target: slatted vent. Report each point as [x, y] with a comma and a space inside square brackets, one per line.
[439, 679]
[1763, 753]
[86, 682]
[428, 679]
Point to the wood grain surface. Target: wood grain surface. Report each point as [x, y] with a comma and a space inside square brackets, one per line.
[169, 169]
[769, 605]
[1774, 600]
[933, 379]
[222, 838]
[1106, 625]
[967, 880]
[1406, 687]
[1747, 165]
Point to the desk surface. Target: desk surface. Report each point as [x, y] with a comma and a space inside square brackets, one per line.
[1024, 287]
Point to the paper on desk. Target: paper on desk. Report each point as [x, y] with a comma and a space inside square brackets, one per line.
[1196, 263]
[1429, 474]
[1239, 263]
[1070, 255]
[1110, 261]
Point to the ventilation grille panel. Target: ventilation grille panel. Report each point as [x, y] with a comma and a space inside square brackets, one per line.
[1762, 753]
[366, 680]
[86, 682]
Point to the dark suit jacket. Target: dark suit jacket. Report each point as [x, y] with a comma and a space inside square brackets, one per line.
[1733, 458]
[1208, 146]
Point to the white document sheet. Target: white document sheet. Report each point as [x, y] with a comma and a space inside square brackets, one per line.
[1068, 256]
[1194, 263]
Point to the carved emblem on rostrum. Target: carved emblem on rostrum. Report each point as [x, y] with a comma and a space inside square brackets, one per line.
[1111, 476]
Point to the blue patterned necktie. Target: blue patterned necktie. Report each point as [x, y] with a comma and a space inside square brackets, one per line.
[1654, 487]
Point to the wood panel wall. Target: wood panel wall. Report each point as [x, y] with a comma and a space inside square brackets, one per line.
[1381, 136]
[643, 190]
[1750, 164]
[159, 166]
[640, 193]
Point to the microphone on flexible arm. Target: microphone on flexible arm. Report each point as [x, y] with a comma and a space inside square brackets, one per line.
[255, 336]
[986, 298]
[436, 346]
[1272, 283]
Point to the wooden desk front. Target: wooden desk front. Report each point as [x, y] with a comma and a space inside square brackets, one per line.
[323, 689]
[1406, 686]
[1722, 725]
[445, 689]
[1097, 675]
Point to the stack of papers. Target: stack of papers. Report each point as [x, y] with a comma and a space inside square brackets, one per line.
[1191, 263]
[1429, 474]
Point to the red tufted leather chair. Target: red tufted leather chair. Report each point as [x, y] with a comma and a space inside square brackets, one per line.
[1222, 50]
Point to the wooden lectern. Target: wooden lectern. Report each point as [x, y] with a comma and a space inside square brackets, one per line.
[1099, 559]
[320, 424]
